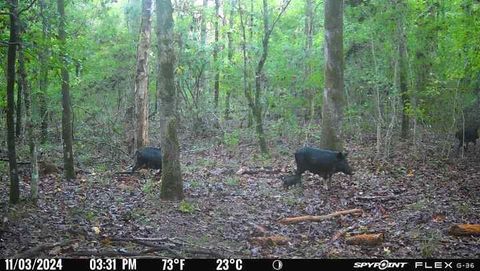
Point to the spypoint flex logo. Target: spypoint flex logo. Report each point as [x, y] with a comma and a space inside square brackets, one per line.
[382, 265]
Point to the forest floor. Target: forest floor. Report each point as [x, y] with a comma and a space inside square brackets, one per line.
[233, 196]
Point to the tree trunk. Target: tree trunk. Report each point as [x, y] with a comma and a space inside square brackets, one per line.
[333, 97]
[18, 111]
[379, 121]
[203, 43]
[141, 78]
[172, 183]
[29, 123]
[12, 156]
[309, 91]
[402, 63]
[255, 102]
[43, 81]
[66, 103]
[229, 55]
[215, 55]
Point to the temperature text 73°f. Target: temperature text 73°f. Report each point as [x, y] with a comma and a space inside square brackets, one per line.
[169, 264]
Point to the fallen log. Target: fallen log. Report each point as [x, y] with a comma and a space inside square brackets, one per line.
[465, 230]
[292, 220]
[367, 239]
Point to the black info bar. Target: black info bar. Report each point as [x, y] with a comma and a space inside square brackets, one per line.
[173, 264]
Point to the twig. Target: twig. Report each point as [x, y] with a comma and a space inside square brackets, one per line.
[290, 220]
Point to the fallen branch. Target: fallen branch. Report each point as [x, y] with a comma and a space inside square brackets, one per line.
[380, 198]
[341, 233]
[291, 220]
[244, 170]
[30, 253]
[368, 239]
[124, 172]
[465, 230]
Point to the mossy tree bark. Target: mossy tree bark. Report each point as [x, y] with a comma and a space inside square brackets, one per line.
[172, 183]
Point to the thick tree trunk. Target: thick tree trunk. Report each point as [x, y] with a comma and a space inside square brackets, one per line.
[141, 78]
[12, 156]
[172, 183]
[333, 97]
[43, 81]
[215, 55]
[66, 102]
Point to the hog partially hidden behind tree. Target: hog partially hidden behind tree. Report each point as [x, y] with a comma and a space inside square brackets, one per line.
[148, 157]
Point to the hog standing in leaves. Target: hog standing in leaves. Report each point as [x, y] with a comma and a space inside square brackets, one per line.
[469, 135]
[148, 157]
[322, 162]
[291, 180]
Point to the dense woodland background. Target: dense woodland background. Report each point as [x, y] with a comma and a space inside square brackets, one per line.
[236, 87]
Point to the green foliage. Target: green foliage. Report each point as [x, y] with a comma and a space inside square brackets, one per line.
[431, 244]
[231, 139]
[443, 63]
[232, 181]
[187, 207]
[150, 186]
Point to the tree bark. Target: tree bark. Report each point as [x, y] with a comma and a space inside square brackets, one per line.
[172, 183]
[43, 81]
[229, 55]
[18, 111]
[12, 156]
[333, 96]
[465, 230]
[141, 78]
[216, 87]
[367, 239]
[203, 43]
[402, 63]
[66, 102]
